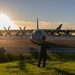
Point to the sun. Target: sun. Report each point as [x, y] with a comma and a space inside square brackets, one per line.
[5, 21]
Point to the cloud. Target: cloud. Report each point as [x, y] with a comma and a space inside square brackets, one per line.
[28, 24]
[44, 25]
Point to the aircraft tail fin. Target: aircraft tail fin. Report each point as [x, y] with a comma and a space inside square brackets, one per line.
[37, 23]
[59, 27]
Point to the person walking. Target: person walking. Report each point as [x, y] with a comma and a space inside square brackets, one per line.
[43, 52]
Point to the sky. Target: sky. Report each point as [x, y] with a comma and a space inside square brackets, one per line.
[51, 13]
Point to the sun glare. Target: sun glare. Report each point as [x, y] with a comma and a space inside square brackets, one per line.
[6, 21]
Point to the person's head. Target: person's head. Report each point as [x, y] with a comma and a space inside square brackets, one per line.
[43, 38]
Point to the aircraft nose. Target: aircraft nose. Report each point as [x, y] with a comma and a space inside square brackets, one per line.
[39, 38]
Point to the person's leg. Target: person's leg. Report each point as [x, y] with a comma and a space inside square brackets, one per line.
[44, 61]
[40, 59]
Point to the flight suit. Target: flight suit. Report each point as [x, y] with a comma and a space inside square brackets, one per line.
[43, 53]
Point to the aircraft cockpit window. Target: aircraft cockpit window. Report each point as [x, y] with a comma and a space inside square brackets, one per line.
[38, 32]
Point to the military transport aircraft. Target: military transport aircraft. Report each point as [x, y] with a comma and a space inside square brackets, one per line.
[36, 34]
[39, 33]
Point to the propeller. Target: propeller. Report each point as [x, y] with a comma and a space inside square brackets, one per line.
[23, 31]
[52, 32]
[67, 31]
[7, 31]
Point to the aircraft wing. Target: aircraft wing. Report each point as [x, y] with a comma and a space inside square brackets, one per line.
[67, 30]
[48, 30]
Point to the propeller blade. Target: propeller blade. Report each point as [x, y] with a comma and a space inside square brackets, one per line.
[5, 28]
[20, 28]
[23, 31]
[8, 27]
[6, 35]
[24, 27]
[25, 34]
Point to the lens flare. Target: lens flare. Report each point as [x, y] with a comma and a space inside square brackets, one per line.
[6, 21]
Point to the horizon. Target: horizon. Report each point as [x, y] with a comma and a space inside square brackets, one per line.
[42, 25]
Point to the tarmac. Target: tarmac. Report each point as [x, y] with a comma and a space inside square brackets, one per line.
[24, 45]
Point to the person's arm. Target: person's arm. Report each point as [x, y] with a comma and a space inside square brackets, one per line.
[40, 43]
